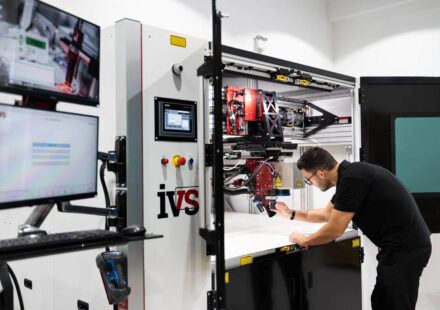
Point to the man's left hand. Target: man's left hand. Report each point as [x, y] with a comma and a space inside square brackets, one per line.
[298, 238]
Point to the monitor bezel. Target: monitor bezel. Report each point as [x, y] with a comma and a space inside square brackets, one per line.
[37, 93]
[162, 134]
[55, 199]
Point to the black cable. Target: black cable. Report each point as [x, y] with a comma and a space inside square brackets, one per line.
[104, 186]
[236, 191]
[106, 195]
[115, 307]
[235, 174]
[17, 287]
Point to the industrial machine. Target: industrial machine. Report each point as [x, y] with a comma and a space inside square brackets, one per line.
[180, 160]
[207, 174]
[207, 142]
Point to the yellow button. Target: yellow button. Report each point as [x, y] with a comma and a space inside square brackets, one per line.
[175, 161]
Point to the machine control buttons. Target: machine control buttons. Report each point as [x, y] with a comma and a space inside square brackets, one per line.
[164, 161]
[178, 161]
[181, 161]
[190, 158]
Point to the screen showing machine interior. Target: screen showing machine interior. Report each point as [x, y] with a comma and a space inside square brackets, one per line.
[417, 149]
[45, 155]
[47, 50]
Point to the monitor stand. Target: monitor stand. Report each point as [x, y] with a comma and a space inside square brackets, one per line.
[37, 103]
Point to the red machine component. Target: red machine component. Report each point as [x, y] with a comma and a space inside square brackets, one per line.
[263, 178]
[253, 105]
[74, 50]
[243, 105]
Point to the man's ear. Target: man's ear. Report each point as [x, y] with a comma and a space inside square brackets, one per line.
[321, 173]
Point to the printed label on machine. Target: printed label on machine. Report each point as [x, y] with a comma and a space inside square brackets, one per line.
[181, 198]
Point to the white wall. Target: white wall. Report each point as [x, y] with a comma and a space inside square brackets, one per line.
[399, 40]
[403, 40]
[297, 30]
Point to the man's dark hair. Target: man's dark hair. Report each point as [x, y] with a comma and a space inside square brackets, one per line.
[316, 159]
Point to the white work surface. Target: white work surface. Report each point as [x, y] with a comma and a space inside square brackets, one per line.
[258, 234]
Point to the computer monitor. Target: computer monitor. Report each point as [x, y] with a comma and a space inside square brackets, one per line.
[46, 156]
[47, 53]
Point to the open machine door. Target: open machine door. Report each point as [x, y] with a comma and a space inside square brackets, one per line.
[400, 120]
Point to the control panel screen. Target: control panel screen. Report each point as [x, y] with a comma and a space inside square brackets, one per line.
[176, 120]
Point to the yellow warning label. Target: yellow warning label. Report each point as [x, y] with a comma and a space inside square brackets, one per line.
[356, 243]
[299, 182]
[278, 182]
[285, 248]
[245, 260]
[177, 41]
[282, 78]
[304, 82]
[226, 277]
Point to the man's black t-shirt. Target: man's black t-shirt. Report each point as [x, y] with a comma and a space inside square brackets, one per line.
[384, 209]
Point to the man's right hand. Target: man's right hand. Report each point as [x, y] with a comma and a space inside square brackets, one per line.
[282, 209]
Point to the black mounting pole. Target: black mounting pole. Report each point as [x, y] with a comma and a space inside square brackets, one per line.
[7, 292]
[218, 157]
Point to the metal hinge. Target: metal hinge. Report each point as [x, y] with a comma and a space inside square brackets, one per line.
[362, 154]
[211, 300]
[209, 155]
[361, 95]
[210, 236]
[361, 254]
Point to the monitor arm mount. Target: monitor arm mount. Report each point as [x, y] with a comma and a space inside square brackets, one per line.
[69, 208]
[40, 212]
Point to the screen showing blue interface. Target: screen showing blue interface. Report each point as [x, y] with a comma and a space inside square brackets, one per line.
[46, 154]
[417, 149]
[177, 120]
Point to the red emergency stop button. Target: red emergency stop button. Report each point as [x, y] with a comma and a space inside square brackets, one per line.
[178, 161]
[181, 161]
[164, 161]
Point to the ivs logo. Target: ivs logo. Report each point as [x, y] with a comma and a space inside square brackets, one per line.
[180, 198]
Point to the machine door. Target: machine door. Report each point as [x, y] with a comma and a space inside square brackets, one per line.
[400, 120]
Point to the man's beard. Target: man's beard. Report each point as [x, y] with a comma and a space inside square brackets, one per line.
[325, 186]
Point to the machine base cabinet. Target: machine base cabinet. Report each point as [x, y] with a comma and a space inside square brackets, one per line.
[323, 277]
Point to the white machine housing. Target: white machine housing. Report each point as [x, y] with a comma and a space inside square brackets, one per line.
[172, 272]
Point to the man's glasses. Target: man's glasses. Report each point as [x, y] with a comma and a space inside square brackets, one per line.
[308, 179]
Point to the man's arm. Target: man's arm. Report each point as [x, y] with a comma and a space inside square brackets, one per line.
[313, 216]
[333, 229]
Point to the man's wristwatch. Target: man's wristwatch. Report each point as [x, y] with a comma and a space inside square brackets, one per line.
[293, 214]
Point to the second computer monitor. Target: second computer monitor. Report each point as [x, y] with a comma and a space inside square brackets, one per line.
[48, 53]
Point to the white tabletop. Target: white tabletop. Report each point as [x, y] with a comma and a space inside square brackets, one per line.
[250, 234]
